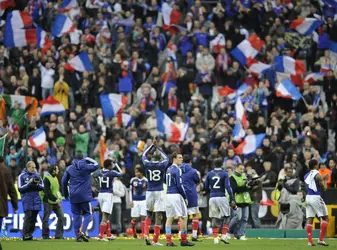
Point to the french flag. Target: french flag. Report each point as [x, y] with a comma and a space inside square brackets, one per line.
[305, 26]
[238, 132]
[16, 34]
[225, 91]
[171, 17]
[242, 89]
[167, 127]
[240, 112]
[289, 65]
[62, 25]
[314, 77]
[256, 67]
[124, 119]
[112, 104]
[248, 48]
[317, 100]
[249, 144]
[4, 4]
[51, 106]
[80, 63]
[38, 139]
[286, 89]
[67, 5]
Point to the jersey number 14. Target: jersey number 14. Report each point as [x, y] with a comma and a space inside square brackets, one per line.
[104, 182]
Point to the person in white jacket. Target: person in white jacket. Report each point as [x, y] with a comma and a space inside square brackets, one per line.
[116, 215]
[47, 80]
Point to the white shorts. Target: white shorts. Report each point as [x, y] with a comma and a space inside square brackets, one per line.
[155, 201]
[219, 207]
[192, 210]
[105, 201]
[315, 206]
[139, 209]
[175, 206]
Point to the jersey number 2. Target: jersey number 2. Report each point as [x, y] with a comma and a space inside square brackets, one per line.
[216, 183]
[154, 175]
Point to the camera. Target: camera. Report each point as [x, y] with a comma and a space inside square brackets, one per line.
[36, 180]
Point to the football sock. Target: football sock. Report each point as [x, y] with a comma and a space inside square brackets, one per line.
[108, 229]
[215, 232]
[156, 233]
[143, 228]
[324, 227]
[195, 225]
[168, 235]
[224, 229]
[102, 228]
[133, 226]
[309, 232]
[147, 226]
[184, 236]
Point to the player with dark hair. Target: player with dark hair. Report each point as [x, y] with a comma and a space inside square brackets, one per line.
[155, 162]
[315, 204]
[78, 177]
[217, 183]
[105, 179]
[176, 201]
[138, 186]
[191, 178]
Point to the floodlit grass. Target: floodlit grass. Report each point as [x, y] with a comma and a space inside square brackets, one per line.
[126, 244]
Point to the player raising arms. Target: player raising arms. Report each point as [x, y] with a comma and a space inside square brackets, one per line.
[191, 178]
[176, 202]
[315, 204]
[138, 186]
[155, 167]
[217, 182]
[105, 197]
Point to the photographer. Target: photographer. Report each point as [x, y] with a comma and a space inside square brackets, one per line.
[52, 200]
[29, 184]
[256, 185]
[290, 216]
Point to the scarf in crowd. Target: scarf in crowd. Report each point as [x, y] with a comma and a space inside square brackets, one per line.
[146, 102]
[172, 103]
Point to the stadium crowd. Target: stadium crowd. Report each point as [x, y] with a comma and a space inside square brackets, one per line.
[132, 53]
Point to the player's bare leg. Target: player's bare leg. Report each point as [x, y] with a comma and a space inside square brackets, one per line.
[157, 227]
[183, 227]
[323, 229]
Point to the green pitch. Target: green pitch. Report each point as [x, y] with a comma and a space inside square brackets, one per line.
[122, 244]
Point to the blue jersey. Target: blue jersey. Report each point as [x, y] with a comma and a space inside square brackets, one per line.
[138, 189]
[174, 181]
[312, 175]
[155, 170]
[78, 177]
[105, 180]
[190, 179]
[217, 182]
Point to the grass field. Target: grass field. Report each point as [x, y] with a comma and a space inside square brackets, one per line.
[122, 244]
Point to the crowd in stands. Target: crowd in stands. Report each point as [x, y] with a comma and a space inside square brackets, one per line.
[132, 52]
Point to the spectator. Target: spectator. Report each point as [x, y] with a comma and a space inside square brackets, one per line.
[269, 177]
[116, 215]
[326, 175]
[81, 139]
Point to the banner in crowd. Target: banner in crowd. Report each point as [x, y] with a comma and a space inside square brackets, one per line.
[14, 222]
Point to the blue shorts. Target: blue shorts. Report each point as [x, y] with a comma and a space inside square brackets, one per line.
[81, 208]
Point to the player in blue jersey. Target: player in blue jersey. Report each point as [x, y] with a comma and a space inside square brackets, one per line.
[176, 201]
[155, 162]
[105, 179]
[138, 186]
[217, 183]
[191, 179]
[315, 204]
[78, 176]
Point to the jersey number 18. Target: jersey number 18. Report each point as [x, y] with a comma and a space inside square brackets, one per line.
[154, 175]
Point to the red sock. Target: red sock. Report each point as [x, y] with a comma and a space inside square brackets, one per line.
[108, 229]
[324, 227]
[133, 226]
[169, 238]
[195, 223]
[156, 233]
[309, 232]
[178, 225]
[102, 228]
[215, 232]
[224, 228]
[143, 228]
[184, 238]
[147, 226]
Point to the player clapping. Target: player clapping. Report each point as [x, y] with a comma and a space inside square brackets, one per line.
[217, 182]
[138, 186]
[105, 197]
